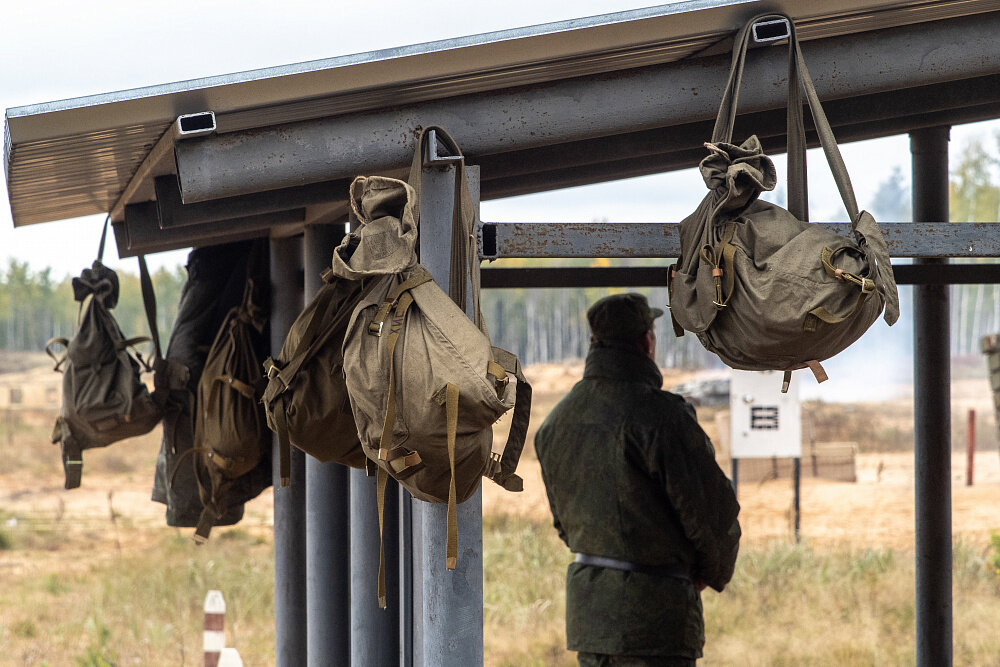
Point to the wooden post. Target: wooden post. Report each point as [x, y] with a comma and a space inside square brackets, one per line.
[970, 463]
[215, 621]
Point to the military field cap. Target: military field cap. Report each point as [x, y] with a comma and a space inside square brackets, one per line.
[621, 317]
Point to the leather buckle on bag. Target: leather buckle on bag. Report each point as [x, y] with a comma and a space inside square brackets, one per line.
[375, 328]
[867, 285]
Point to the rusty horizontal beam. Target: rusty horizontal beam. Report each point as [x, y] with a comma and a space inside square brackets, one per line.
[656, 276]
[662, 239]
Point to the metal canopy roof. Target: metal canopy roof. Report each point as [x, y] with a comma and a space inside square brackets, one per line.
[632, 93]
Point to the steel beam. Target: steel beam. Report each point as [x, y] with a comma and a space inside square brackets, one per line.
[449, 622]
[583, 108]
[328, 511]
[290, 636]
[140, 232]
[656, 276]
[932, 416]
[662, 239]
[679, 146]
[174, 213]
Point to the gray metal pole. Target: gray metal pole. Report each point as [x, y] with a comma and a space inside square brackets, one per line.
[289, 502]
[449, 624]
[932, 415]
[328, 532]
[374, 631]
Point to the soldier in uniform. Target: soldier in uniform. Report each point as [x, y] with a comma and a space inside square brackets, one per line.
[636, 494]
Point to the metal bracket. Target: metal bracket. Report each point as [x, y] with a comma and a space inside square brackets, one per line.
[771, 30]
[431, 157]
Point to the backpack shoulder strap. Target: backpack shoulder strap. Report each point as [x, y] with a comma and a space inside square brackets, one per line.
[503, 464]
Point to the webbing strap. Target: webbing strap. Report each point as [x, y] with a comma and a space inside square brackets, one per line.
[464, 259]
[417, 277]
[671, 270]
[817, 370]
[385, 441]
[284, 444]
[104, 237]
[209, 515]
[820, 313]
[451, 413]
[72, 457]
[59, 359]
[503, 474]
[722, 259]
[799, 81]
[149, 304]
[382, 477]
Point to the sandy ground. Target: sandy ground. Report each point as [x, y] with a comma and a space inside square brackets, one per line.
[112, 512]
[108, 513]
[876, 511]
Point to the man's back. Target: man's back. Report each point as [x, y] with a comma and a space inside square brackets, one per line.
[632, 477]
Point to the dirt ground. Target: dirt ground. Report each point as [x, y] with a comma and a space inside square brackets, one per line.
[112, 512]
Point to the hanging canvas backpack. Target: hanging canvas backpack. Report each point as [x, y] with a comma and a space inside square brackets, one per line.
[231, 437]
[760, 286]
[104, 397]
[215, 284]
[306, 399]
[425, 384]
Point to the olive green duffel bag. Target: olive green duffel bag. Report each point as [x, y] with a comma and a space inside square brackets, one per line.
[760, 286]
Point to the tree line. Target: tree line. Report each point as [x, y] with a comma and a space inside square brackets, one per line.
[35, 307]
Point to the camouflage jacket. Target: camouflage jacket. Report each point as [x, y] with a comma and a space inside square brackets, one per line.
[630, 475]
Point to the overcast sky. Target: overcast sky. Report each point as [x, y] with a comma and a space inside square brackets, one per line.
[53, 49]
[56, 50]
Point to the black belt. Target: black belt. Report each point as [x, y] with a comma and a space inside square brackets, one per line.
[676, 571]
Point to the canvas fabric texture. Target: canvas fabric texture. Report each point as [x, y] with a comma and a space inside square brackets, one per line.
[104, 397]
[425, 384]
[231, 437]
[759, 285]
[306, 398]
[215, 284]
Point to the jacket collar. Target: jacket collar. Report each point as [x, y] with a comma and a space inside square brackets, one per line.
[621, 364]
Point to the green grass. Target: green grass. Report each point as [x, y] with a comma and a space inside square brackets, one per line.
[144, 608]
[787, 604]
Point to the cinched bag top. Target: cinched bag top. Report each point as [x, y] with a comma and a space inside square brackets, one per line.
[386, 238]
[99, 281]
[737, 175]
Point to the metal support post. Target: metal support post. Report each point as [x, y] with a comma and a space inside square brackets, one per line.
[797, 483]
[290, 646]
[374, 631]
[449, 621]
[327, 510]
[932, 415]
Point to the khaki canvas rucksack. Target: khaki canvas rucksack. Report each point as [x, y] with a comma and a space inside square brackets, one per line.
[306, 397]
[425, 383]
[231, 437]
[761, 287]
[104, 397]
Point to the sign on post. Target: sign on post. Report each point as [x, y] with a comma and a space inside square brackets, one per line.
[764, 423]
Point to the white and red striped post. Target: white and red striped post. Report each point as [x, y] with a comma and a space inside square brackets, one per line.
[215, 624]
